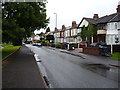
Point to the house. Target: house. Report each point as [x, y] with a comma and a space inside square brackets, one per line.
[62, 34]
[107, 27]
[57, 35]
[98, 29]
[70, 33]
[85, 23]
[66, 34]
[102, 27]
[73, 33]
[113, 29]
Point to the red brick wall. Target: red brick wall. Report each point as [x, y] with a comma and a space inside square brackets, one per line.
[91, 50]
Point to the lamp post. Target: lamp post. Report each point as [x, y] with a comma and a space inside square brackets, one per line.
[56, 20]
[56, 27]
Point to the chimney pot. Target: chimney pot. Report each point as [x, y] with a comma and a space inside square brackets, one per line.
[95, 16]
[74, 23]
[63, 27]
[118, 9]
[56, 29]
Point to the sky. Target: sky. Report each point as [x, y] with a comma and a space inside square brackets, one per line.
[74, 10]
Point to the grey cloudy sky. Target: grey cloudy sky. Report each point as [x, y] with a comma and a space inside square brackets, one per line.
[69, 10]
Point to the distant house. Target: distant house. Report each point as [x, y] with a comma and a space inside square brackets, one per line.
[73, 32]
[57, 36]
[66, 34]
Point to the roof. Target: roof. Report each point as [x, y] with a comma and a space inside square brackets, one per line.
[116, 18]
[90, 20]
[106, 18]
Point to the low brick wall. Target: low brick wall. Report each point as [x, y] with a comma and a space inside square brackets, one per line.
[91, 50]
[78, 50]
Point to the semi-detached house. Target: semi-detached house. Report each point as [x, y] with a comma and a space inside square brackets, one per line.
[108, 29]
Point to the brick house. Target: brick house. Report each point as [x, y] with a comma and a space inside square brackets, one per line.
[66, 34]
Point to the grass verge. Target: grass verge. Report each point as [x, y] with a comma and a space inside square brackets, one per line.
[7, 50]
[115, 56]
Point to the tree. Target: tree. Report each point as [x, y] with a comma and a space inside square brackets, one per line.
[20, 19]
[49, 37]
[89, 31]
[83, 33]
[92, 31]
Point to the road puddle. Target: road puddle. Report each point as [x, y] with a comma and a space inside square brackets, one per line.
[98, 66]
[103, 70]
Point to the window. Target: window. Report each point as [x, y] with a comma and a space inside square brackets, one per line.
[115, 25]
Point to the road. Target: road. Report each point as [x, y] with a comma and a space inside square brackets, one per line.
[68, 71]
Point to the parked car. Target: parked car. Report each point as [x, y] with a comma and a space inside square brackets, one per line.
[99, 44]
[84, 43]
[37, 44]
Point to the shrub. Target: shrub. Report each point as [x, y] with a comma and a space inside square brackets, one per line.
[59, 46]
[27, 42]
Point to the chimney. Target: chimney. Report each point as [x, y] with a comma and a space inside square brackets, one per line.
[95, 17]
[63, 27]
[56, 29]
[74, 23]
[118, 8]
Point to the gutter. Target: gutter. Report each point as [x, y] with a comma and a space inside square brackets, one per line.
[42, 70]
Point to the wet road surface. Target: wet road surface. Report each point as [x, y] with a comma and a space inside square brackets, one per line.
[68, 71]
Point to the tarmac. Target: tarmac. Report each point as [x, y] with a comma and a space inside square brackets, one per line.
[95, 59]
[22, 71]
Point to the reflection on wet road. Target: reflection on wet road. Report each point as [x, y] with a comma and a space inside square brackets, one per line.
[68, 71]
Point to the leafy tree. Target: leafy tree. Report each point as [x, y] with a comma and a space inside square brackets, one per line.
[92, 31]
[89, 31]
[20, 19]
[49, 37]
[83, 33]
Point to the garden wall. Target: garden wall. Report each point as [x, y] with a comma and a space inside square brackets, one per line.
[91, 50]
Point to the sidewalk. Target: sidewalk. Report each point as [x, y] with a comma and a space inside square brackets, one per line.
[91, 58]
[22, 72]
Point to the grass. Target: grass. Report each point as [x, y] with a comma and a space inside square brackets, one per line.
[7, 50]
[115, 56]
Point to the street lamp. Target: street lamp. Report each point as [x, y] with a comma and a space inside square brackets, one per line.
[56, 20]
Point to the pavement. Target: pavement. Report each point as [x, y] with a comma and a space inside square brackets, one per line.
[22, 71]
[92, 58]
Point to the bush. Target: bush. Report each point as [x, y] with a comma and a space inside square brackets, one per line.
[27, 42]
[59, 46]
